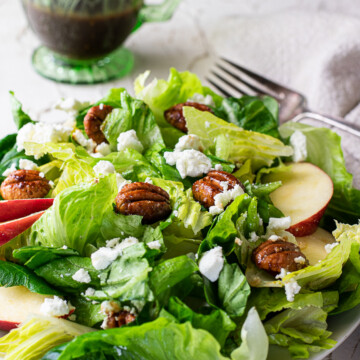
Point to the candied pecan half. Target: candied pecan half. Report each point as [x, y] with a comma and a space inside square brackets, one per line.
[24, 184]
[175, 116]
[273, 256]
[93, 120]
[119, 319]
[147, 200]
[205, 189]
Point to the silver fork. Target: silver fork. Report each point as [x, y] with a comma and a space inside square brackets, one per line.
[231, 79]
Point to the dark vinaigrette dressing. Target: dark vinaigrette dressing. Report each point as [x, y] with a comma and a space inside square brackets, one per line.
[81, 36]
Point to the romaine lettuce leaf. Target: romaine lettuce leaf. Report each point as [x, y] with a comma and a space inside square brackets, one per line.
[251, 113]
[349, 283]
[233, 290]
[161, 94]
[217, 322]
[301, 330]
[19, 116]
[260, 148]
[157, 340]
[37, 335]
[75, 219]
[16, 275]
[35, 256]
[132, 114]
[254, 341]
[327, 271]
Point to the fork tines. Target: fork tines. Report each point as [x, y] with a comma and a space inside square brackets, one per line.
[234, 80]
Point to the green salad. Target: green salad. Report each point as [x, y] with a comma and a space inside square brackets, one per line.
[184, 226]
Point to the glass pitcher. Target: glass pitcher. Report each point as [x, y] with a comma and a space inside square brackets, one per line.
[82, 38]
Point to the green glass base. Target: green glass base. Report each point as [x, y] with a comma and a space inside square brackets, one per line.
[52, 66]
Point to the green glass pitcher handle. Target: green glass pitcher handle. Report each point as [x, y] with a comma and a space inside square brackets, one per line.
[157, 13]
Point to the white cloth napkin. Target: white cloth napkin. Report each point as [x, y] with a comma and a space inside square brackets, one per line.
[317, 54]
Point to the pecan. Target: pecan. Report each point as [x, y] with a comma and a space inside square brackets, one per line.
[205, 189]
[273, 256]
[175, 116]
[119, 319]
[93, 120]
[147, 200]
[24, 184]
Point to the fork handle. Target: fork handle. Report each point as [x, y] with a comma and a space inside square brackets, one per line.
[329, 120]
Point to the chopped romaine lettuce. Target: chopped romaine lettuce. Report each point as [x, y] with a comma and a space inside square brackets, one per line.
[37, 335]
[242, 144]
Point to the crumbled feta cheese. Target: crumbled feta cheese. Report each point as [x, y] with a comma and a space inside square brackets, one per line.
[104, 167]
[282, 274]
[129, 241]
[89, 292]
[96, 155]
[101, 106]
[274, 238]
[238, 241]
[82, 276]
[207, 124]
[41, 174]
[253, 237]
[279, 223]
[55, 307]
[201, 99]
[103, 149]
[104, 256]
[70, 105]
[176, 213]
[299, 260]
[291, 289]
[154, 245]
[224, 185]
[298, 143]
[188, 142]
[222, 199]
[329, 247]
[148, 180]
[211, 263]
[88, 144]
[218, 167]
[129, 139]
[112, 243]
[8, 171]
[64, 247]
[26, 164]
[42, 133]
[191, 163]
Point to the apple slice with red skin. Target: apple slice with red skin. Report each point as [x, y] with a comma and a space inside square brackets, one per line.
[304, 195]
[15, 209]
[17, 303]
[313, 246]
[13, 228]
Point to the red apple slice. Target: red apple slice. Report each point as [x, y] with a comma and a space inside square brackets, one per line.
[15, 209]
[304, 196]
[10, 229]
[313, 246]
[17, 303]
